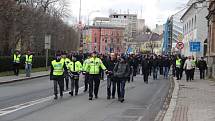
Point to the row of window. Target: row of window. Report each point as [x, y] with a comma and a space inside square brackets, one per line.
[106, 40]
[190, 25]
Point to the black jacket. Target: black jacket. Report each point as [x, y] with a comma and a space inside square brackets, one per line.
[121, 70]
[145, 66]
[202, 65]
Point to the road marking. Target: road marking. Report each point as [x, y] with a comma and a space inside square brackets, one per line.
[15, 108]
[140, 118]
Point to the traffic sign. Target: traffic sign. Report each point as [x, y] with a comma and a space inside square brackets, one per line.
[180, 45]
[195, 46]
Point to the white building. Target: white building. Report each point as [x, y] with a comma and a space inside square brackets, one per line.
[177, 28]
[128, 21]
[194, 28]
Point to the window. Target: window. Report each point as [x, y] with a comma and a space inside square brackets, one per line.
[195, 22]
[95, 40]
[192, 23]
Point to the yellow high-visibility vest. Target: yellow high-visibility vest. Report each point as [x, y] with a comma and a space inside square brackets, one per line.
[16, 58]
[58, 67]
[28, 59]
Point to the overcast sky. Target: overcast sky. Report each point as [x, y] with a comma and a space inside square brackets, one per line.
[153, 11]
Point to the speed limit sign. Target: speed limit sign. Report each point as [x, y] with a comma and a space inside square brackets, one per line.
[180, 45]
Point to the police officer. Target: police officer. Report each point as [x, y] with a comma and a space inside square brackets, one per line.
[58, 67]
[86, 74]
[193, 66]
[75, 67]
[16, 62]
[178, 68]
[93, 67]
[28, 63]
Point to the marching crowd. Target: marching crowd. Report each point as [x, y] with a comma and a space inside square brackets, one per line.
[119, 68]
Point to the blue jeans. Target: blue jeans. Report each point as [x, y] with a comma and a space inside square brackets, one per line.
[28, 68]
[155, 73]
[121, 87]
[166, 72]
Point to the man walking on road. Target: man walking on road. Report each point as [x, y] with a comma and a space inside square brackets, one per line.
[75, 68]
[58, 67]
[145, 69]
[93, 67]
[28, 63]
[111, 81]
[121, 72]
[16, 62]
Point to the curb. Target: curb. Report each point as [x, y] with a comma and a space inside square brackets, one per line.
[22, 79]
[162, 112]
[169, 113]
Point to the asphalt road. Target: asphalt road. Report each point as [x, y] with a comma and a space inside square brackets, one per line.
[32, 100]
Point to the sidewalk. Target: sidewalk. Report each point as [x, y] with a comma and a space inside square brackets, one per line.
[195, 101]
[10, 79]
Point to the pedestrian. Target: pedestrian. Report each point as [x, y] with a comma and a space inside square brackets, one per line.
[155, 67]
[202, 65]
[66, 59]
[16, 62]
[121, 72]
[111, 81]
[178, 68]
[58, 67]
[160, 64]
[93, 67]
[166, 67]
[75, 68]
[188, 68]
[145, 69]
[28, 63]
[183, 59]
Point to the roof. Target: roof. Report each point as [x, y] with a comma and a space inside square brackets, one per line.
[186, 11]
[104, 27]
[101, 19]
[149, 37]
[123, 14]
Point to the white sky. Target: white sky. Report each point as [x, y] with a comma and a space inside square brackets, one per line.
[153, 11]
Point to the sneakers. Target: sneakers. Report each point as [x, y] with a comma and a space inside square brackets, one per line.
[122, 100]
[108, 97]
[90, 98]
[71, 93]
[55, 97]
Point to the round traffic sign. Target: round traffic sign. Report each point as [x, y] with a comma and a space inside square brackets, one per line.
[180, 45]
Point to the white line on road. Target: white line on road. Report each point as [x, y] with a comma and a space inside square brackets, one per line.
[140, 118]
[15, 108]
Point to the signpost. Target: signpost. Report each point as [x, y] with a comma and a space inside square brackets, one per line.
[195, 46]
[47, 47]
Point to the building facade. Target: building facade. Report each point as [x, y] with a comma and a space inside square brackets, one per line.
[167, 37]
[103, 39]
[211, 39]
[194, 29]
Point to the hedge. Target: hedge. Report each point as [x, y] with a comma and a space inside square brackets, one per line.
[6, 62]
